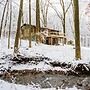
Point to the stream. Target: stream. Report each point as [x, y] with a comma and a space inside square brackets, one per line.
[52, 80]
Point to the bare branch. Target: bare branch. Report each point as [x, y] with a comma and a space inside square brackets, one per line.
[68, 7]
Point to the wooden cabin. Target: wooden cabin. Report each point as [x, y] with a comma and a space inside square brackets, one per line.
[54, 37]
[48, 36]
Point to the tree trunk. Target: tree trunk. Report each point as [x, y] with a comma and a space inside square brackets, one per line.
[64, 19]
[44, 11]
[37, 21]
[3, 18]
[6, 19]
[77, 30]
[64, 27]
[16, 45]
[10, 3]
[30, 38]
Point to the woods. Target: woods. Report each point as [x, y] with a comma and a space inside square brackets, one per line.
[44, 15]
[45, 44]
[76, 23]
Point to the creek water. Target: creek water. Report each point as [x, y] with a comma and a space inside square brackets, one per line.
[52, 80]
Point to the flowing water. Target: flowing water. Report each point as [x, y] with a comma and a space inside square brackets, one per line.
[52, 80]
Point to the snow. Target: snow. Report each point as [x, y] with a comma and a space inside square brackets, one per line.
[10, 86]
[59, 53]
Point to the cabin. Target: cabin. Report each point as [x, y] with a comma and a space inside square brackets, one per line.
[54, 37]
[47, 36]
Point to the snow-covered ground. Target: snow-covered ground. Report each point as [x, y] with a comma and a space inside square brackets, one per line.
[10, 86]
[55, 53]
[59, 53]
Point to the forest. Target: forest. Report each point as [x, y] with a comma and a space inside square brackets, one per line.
[44, 44]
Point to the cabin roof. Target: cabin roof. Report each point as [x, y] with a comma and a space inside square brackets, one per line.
[42, 28]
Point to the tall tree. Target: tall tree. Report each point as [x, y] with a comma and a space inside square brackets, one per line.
[10, 23]
[44, 11]
[16, 45]
[6, 19]
[1, 26]
[77, 29]
[30, 23]
[37, 21]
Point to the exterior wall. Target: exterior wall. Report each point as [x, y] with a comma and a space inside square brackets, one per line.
[55, 40]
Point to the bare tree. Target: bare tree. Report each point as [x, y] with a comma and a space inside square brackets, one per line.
[44, 11]
[37, 20]
[18, 27]
[77, 29]
[62, 15]
[30, 23]
[6, 19]
[1, 26]
[10, 23]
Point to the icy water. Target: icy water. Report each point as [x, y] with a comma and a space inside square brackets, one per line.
[49, 81]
